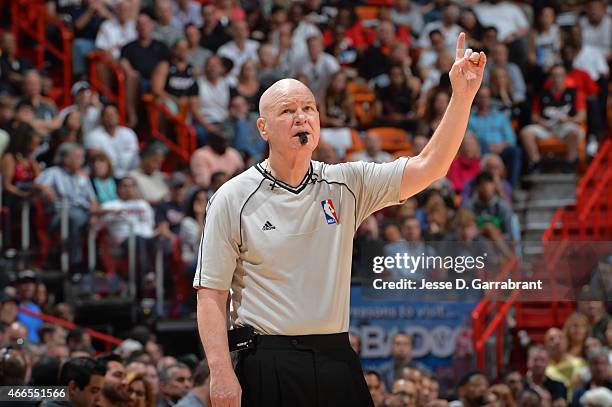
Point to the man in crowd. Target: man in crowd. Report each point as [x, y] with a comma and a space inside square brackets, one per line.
[376, 387]
[240, 49]
[150, 182]
[401, 357]
[131, 211]
[537, 362]
[119, 143]
[116, 32]
[199, 396]
[138, 59]
[174, 384]
[559, 111]
[372, 153]
[600, 371]
[25, 286]
[65, 181]
[84, 378]
[115, 388]
[562, 366]
[213, 106]
[471, 390]
[316, 65]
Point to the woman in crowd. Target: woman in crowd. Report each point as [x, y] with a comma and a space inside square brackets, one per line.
[248, 85]
[472, 28]
[337, 107]
[139, 391]
[41, 297]
[70, 131]
[190, 233]
[576, 330]
[196, 54]
[545, 40]
[102, 178]
[18, 170]
[501, 97]
[191, 227]
[436, 106]
[467, 163]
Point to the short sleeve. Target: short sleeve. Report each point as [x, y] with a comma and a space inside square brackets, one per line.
[375, 186]
[218, 253]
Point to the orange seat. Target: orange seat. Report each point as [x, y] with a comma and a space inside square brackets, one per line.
[555, 146]
[357, 143]
[358, 87]
[392, 139]
[367, 12]
[381, 3]
[403, 153]
[363, 100]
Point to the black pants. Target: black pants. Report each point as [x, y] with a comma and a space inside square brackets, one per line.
[302, 371]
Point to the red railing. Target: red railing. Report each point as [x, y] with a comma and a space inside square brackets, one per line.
[588, 219]
[184, 143]
[99, 62]
[481, 332]
[30, 17]
[108, 340]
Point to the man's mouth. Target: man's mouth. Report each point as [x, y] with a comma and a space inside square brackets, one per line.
[303, 136]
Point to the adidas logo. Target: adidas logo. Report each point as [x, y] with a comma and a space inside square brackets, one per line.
[268, 226]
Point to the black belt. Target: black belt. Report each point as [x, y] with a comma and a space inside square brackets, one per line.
[319, 341]
[246, 338]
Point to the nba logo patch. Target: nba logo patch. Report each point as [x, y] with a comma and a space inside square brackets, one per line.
[330, 212]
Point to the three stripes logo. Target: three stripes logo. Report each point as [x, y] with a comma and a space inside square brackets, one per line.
[268, 226]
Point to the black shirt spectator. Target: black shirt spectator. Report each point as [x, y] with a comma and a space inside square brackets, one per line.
[144, 58]
[375, 59]
[394, 104]
[213, 33]
[85, 27]
[12, 67]
[181, 82]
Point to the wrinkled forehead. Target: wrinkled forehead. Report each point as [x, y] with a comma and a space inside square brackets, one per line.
[282, 94]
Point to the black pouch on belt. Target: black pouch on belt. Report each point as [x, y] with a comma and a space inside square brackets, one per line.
[241, 338]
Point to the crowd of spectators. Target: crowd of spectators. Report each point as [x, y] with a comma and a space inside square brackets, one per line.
[547, 75]
[573, 366]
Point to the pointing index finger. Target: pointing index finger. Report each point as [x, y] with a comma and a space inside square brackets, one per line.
[460, 46]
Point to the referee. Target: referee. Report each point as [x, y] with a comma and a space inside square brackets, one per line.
[280, 236]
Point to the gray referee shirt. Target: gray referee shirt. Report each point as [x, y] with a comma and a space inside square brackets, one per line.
[286, 252]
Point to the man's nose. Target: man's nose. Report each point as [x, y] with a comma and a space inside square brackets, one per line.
[300, 116]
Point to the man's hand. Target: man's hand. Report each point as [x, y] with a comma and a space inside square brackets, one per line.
[467, 71]
[225, 390]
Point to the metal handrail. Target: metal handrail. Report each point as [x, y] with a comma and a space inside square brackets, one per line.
[31, 18]
[480, 334]
[185, 132]
[108, 340]
[97, 84]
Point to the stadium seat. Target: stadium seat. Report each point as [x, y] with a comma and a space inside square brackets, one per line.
[367, 13]
[555, 146]
[357, 143]
[392, 139]
[403, 153]
[363, 99]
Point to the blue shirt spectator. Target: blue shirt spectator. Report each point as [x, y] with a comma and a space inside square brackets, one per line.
[495, 134]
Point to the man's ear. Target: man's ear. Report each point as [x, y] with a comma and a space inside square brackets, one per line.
[261, 125]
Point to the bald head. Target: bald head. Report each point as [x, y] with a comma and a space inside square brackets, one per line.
[278, 90]
[287, 111]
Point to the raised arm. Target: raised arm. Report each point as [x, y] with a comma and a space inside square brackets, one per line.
[435, 159]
